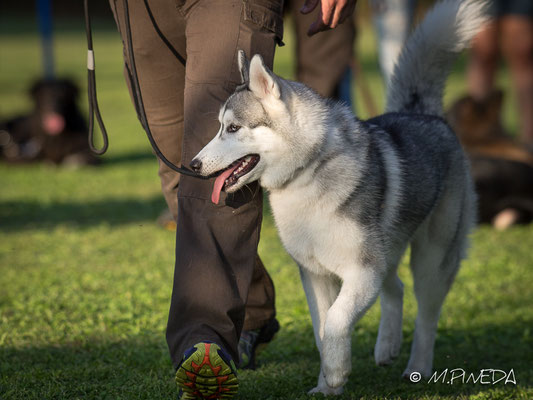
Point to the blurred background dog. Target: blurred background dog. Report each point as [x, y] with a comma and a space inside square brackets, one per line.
[502, 167]
[54, 131]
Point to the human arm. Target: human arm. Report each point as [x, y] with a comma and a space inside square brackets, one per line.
[331, 14]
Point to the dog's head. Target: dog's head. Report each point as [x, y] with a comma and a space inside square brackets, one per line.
[55, 101]
[477, 121]
[248, 144]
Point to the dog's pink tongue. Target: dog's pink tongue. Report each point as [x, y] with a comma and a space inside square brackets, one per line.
[219, 182]
[53, 123]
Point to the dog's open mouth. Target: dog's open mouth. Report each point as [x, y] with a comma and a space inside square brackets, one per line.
[231, 175]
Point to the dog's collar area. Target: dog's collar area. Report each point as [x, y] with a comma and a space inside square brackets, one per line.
[242, 87]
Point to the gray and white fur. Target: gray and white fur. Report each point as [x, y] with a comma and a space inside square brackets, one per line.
[349, 196]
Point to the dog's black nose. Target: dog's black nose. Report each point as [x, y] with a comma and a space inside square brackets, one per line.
[196, 165]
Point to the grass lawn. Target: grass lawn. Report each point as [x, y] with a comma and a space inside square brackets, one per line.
[85, 273]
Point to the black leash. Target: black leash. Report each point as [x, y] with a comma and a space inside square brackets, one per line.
[139, 105]
[91, 88]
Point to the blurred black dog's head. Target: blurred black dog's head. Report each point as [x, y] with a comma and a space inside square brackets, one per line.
[55, 105]
[54, 130]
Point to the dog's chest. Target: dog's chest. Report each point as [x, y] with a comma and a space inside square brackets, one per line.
[312, 233]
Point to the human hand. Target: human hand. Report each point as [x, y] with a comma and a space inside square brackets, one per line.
[332, 13]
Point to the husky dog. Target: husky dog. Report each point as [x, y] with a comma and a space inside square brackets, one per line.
[349, 196]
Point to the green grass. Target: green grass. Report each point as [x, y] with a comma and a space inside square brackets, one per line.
[85, 273]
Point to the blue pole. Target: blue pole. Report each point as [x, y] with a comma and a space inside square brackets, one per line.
[44, 14]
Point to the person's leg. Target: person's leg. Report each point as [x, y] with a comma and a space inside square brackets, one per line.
[216, 244]
[393, 20]
[323, 59]
[162, 81]
[260, 304]
[517, 45]
[483, 62]
[161, 78]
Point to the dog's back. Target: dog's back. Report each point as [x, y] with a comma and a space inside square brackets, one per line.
[438, 191]
[427, 150]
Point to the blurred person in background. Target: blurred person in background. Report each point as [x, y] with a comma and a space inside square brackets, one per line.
[512, 33]
[393, 20]
[323, 62]
[502, 167]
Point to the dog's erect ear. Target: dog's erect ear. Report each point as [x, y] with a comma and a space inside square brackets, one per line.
[244, 67]
[263, 83]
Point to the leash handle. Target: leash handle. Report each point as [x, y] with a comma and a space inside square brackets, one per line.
[91, 86]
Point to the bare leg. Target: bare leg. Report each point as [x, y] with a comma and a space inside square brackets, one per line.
[392, 20]
[483, 62]
[517, 45]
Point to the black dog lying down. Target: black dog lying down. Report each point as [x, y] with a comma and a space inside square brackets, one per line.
[54, 131]
[505, 190]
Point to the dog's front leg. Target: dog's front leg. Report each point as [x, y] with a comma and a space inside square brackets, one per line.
[321, 291]
[359, 290]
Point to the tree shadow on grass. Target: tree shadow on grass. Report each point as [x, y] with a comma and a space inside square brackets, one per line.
[502, 347]
[30, 214]
[139, 367]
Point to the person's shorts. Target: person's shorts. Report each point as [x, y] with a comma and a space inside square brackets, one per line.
[522, 8]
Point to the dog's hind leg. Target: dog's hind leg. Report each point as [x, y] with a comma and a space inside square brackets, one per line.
[436, 253]
[431, 285]
[321, 291]
[389, 339]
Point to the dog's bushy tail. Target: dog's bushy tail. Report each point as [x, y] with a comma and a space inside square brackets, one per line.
[420, 74]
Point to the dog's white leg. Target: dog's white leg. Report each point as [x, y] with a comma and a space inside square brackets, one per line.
[360, 288]
[321, 291]
[436, 253]
[389, 339]
[430, 290]
[434, 263]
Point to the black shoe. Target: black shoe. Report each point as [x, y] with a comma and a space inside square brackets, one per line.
[252, 342]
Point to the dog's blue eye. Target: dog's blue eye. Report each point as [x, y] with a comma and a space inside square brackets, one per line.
[233, 128]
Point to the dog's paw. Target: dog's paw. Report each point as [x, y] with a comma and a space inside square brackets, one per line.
[387, 349]
[326, 390]
[336, 377]
[336, 362]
